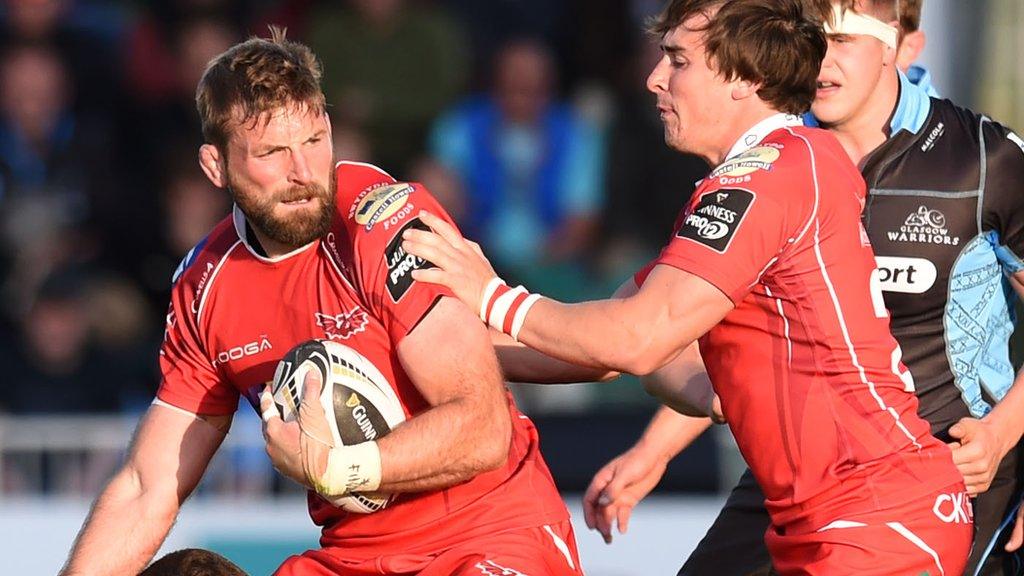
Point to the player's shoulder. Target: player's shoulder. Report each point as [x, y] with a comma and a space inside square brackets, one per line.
[374, 204]
[199, 262]
[783, 158]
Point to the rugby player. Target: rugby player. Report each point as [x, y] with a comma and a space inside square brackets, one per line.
[312, 250]
[945, 216]
[770, 269]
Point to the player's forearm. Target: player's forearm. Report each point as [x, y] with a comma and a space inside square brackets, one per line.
[670, 432]
[604, 334]
[522, 364]
[448, 444]
[124, 530]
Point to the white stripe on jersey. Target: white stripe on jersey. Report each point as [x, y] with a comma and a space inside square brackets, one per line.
[916, 541]
[838, 309]
[209, 281]
[785, 327]
[562, 547]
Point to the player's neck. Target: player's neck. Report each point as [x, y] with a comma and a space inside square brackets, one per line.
[739, 126]
[868, 128]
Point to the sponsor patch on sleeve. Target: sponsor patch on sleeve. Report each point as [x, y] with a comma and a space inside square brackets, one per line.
[401, 263]
[379, 202]
[714, 220]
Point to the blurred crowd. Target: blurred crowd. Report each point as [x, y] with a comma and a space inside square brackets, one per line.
[508, 110]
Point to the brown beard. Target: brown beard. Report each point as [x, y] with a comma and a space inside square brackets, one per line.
[295, 231]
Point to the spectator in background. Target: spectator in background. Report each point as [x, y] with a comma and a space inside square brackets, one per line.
[391, 66]
[85, 36]
[529, 168]
[55, 173]
[52, 358]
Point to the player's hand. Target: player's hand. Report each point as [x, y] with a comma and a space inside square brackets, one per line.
[460, 264]
[618, 487]
[282, 440]
[1017, 536]
[977, 452]
[315, 440]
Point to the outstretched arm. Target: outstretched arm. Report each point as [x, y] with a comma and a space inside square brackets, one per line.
[638, 334]
[134, 513]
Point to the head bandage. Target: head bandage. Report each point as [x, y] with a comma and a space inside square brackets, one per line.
[850, 22]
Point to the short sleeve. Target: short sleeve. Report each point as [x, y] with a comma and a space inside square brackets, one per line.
[380, 213]
[728, 236]
[1003, 213]
[189, 380]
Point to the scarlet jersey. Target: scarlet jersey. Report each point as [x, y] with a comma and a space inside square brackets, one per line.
[809, 376]
[234, 313]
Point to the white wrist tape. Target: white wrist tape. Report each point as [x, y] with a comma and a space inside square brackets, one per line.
[850, 22]
[504, 308]
[489, 290]
[350, 469]
[520, 315]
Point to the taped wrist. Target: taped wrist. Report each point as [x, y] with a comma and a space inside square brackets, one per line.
[355, 468]
[504, 308]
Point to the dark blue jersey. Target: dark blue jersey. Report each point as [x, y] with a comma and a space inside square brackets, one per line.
[945, 215]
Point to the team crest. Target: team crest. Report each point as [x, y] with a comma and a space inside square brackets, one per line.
[343, 326]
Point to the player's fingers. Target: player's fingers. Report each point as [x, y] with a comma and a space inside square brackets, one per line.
[1017, 535]
[604, 522]
[433, 251]
[268, 411]
[431, 276]
[590, 497]
[967, 453]
[443, 229]
[622, 515]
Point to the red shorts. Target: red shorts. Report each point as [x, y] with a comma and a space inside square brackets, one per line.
[930, 536]
[548, 550]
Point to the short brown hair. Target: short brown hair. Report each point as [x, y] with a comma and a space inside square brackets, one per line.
[767, 42]
[193, 562]
[255, 77]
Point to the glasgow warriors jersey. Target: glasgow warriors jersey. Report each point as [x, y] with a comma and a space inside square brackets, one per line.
[945, 215]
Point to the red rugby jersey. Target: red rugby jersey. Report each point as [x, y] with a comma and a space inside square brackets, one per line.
[234, 313]
[809, 376]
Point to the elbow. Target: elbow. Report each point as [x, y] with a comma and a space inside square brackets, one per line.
[492, 450]
[641, 362]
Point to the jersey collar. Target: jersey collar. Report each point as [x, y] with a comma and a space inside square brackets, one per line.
[238, 219]
[912, 107]
[759, 131]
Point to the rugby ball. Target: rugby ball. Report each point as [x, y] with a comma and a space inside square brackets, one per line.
[359, 402]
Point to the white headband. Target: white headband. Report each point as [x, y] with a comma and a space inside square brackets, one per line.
[850, 22]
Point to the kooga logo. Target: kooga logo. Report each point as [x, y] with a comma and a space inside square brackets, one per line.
[906, 275]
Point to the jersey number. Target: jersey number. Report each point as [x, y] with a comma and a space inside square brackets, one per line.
[878, 301]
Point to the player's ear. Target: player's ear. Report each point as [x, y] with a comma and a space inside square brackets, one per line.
[910, 48]
[212, 163]
[742, 89]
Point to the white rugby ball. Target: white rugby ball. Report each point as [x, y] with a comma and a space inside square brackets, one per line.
[359, 402]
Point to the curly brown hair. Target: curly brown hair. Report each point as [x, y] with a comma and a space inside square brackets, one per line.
[253, 78]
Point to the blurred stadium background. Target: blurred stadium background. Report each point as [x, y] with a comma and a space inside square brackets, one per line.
[101, 196]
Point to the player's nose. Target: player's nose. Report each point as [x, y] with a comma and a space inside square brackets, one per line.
[301, 172]
[657, 79]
